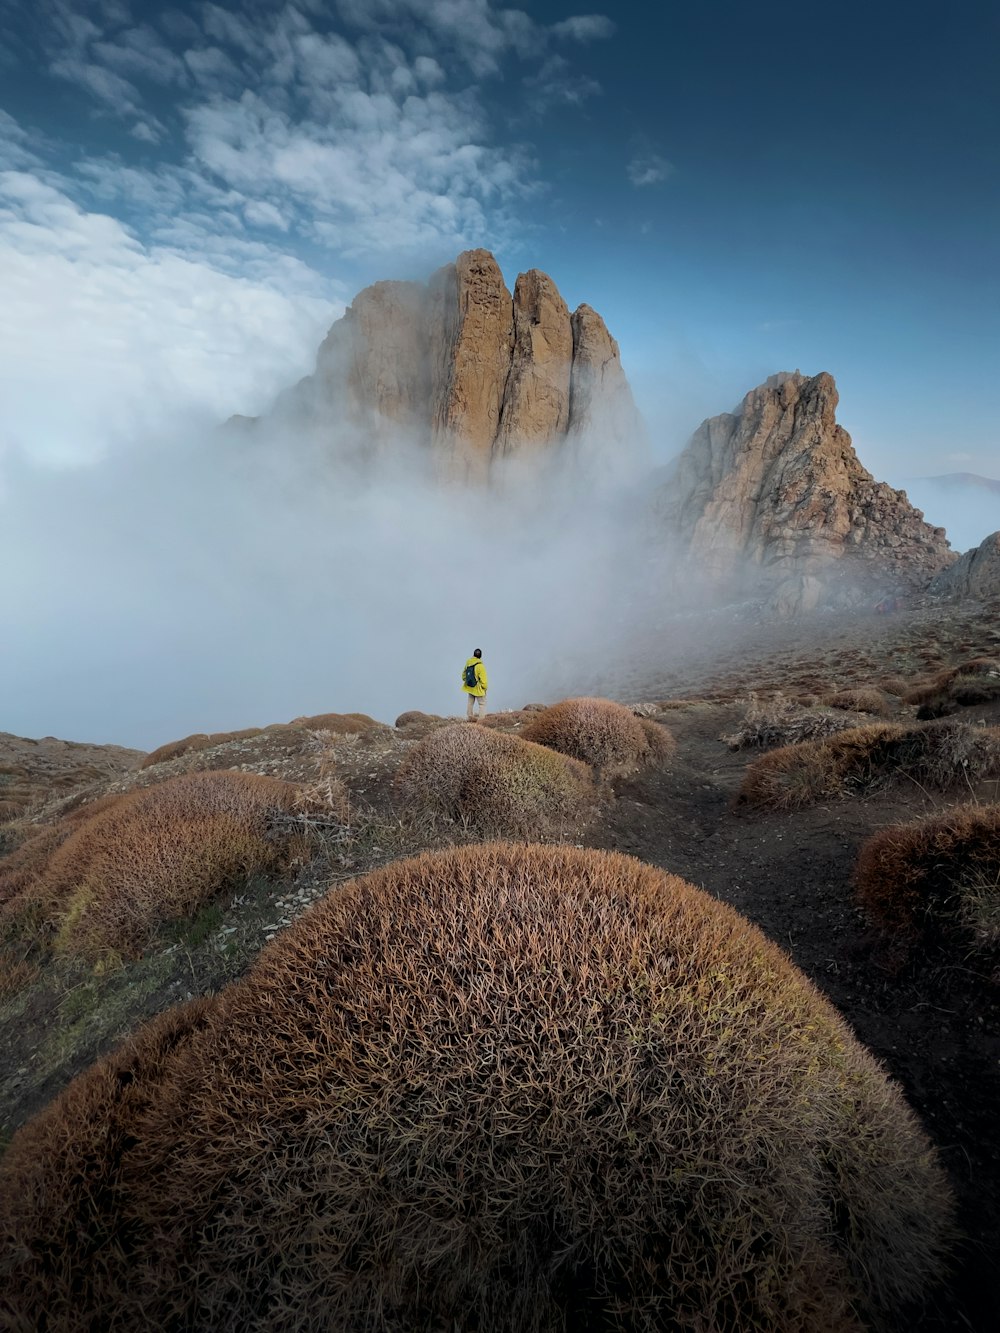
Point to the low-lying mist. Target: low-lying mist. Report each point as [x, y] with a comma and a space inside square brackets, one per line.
[242, 578]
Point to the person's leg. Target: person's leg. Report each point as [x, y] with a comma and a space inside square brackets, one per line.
[482, 707]
[470, 699]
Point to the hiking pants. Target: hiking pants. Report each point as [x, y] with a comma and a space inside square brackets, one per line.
[471, 701]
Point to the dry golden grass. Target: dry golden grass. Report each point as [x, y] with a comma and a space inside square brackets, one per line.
[599, 732]
[496, 783]
[778, 720]
[863, 699]
[936, 877]
[154, 855]
[938, 755]
[515, 1089]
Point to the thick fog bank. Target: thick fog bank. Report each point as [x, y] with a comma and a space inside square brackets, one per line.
[243, 578]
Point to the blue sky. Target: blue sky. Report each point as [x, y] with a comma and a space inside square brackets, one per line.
[190, 192]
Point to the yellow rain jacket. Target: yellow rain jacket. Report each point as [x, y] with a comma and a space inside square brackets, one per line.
[480, 687]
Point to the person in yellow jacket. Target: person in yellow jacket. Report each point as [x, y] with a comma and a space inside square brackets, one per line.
[474, 685]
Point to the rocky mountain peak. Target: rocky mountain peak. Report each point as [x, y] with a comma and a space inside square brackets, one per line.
[773, 498]
[469, 372]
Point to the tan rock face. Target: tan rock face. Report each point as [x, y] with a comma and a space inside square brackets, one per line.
[374, 360]
[600, 396]
[472, 339]
[975, 574]
[469, 373]
[536, 397]
[773, 498]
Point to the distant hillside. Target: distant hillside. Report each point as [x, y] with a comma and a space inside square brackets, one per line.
[961, 480]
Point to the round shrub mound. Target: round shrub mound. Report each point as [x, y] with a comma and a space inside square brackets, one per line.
[160, 853]
[341, 724]
[58, 1198]
[21, 868]
[936, 877]
[863, 759]
[497, 782]
[599, 732]
[502, 1088]
[199, 741]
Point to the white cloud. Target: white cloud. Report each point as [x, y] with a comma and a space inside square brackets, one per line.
[557, 82]
[104, 338]
[584, 28]
[263, 214]
[648, 169]
[139, 53]
[14, 150]
[211, 67]
[103, 83]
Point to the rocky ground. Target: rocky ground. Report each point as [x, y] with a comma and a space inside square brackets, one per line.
[936, 1024]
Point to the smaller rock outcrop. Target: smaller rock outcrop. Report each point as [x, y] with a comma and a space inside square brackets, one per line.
[975, 574]
[772, 500]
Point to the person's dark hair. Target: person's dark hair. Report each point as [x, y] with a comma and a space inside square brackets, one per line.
[478, 653]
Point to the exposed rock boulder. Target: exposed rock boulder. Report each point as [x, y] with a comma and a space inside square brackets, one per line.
[468, 374]
[772, 500]
[975, 574]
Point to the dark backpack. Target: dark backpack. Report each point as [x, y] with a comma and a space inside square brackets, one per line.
[470, 675]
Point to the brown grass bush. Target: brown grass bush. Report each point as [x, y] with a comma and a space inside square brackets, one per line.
[862, 699]
[25, 864]
[515, 1089]
[158, 854]
[938, 755]
[895, 685]
[779, 721]
[511, 719]
[174, 749]
[22, 867]
[935, 877]
[341, 724]
[199, 741]
[599, 732]
[414, 717]
[497, 783]
[974, 682]
[57, 1194]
